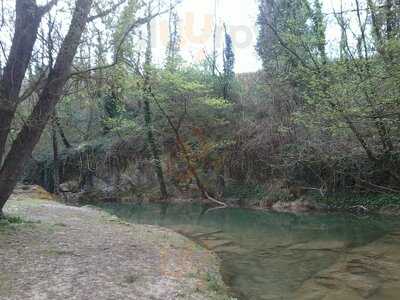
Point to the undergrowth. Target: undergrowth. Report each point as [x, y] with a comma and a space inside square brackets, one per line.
[372, 201]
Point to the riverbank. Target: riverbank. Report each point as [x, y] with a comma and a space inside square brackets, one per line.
[384, 204]
[67, 252]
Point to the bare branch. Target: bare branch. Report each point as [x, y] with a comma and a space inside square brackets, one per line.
[106, 12]
[287, 47]
[33, 87]
[135, 24]
[46, 8]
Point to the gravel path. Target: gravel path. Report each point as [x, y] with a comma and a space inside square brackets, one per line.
[83, 253]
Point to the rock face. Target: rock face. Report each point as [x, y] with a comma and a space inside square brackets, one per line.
[69, 187]
[97, 191]
[299, 206]
[368, 272]
[32, 191]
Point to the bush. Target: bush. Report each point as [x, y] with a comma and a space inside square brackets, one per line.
[245, 191]
[373, 201]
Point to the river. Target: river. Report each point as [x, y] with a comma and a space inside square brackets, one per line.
[265, 255]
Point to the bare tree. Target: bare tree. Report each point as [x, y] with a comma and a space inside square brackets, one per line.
[28, 18]
[27, 22]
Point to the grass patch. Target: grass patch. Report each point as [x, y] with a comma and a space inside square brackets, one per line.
[12, 222]
[15, 220]
[213, 283]
[7, 221]
[215, 286]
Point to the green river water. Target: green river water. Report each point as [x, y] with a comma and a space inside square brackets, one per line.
[264, 255]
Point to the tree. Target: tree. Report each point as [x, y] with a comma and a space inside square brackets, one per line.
[345, 93]
[266, 37]
[28, 18]
[27, 22]
[319, 28]
[148, 114]
[229, 66]
[173, 46]
[282, 21]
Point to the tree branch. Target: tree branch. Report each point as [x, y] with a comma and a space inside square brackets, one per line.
[46, 8]
[104, 13]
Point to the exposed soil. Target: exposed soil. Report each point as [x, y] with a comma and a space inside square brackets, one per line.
[83, 253]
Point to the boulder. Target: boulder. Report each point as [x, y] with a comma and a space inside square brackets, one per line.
[69, 187]
[100, 185]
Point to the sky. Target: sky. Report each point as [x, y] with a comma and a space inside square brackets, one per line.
[197, 19]
[240, 18]
[196, 29]
[197, 24]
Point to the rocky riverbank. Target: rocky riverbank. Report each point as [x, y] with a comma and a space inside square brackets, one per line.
[82, 253]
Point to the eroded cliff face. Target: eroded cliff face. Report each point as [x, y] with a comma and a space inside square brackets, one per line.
[368, 272]
[121, 170]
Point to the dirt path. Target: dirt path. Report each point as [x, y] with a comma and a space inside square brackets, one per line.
[83, 253]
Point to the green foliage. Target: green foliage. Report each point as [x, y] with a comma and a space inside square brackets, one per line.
[371, 201]
[319, 29]
[216, 103]
[13, 220]
[12, 223]
[121, 125]
[229, 58]
[283, 24]
[239, 190]
[331, 109]
[214, 283]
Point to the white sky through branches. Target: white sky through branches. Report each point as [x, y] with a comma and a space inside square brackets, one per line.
[197, 24]
[197, 19]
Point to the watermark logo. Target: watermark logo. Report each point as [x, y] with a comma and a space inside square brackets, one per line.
[199, 32]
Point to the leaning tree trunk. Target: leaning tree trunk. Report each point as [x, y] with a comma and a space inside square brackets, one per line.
[148, 117]
[64, 139]
[31, 132]
[27, 21]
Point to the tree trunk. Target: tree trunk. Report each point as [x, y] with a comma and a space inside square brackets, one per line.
[147, 115]
[27, 21]
[64, 139]
[182, 147]
[375, 24]
[191, 167]
[390, 19]
[220, 186]
[31, 132]
[154, 150]
[56, 163]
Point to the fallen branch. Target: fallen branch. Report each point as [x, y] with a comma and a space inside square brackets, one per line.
[208, 197]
